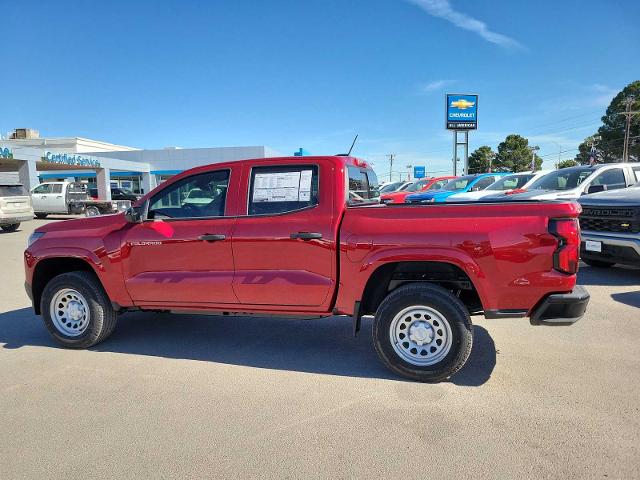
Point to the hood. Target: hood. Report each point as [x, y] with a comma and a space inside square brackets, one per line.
[628, 197]
[100, 225]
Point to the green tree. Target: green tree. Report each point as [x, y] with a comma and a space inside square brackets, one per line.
[514, 155]
[567, 163]
[481, 159]
[613, 125]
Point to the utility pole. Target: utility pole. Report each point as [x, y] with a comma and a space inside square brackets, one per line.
[391, 155]
[628, 114]
[533, 157]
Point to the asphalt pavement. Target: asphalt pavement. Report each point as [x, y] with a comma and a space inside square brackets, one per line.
[185, 396]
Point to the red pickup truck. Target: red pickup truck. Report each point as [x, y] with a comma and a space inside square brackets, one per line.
[306, 237]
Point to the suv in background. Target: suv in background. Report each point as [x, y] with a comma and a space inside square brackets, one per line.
[15, 206]
[610, 223]
[573, 182]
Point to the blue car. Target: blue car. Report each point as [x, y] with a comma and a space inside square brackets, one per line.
[468, 183]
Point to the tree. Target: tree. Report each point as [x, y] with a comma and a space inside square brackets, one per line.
[514, 155]
[481, 160]
[567, 163]
[613, 125]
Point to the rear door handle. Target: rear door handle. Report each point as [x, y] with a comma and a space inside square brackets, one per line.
[306, 235]
[213, 237]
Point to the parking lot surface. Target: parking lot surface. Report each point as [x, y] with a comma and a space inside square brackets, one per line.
[202, 397]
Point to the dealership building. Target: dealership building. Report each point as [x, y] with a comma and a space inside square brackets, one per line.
[27, 158]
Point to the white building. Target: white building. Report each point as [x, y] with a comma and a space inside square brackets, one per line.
[31, 159]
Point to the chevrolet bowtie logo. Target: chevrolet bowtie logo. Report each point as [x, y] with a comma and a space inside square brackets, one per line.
[625, 225]
[462, 104]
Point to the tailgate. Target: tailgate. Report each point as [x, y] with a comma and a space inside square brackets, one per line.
[17, 204]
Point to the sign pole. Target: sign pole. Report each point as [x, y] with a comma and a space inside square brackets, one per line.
[455, 153]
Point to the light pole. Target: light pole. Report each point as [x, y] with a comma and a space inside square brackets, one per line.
[533, 157]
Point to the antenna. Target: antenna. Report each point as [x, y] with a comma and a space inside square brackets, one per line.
[354, 142]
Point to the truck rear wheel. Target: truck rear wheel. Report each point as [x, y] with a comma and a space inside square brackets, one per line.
[41, 215]
[10, 228]
[92, 211]
[76, 310]
[423, 332]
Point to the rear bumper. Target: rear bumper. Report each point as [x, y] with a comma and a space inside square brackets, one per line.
[11, 218]
[561, 308]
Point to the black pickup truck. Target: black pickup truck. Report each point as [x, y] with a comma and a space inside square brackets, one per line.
[610, 224]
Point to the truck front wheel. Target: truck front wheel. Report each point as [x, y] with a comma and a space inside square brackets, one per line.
[76, 310]
[423, 332]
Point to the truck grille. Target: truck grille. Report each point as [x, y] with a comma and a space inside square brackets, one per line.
[610, 219]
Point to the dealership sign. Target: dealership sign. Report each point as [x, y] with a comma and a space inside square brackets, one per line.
[461, 111]
[419, 171]
[6, 153]
[71, 159]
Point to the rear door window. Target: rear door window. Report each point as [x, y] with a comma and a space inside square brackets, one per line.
[363, 186]
[280, 189]
[613, 179]
[56, 188]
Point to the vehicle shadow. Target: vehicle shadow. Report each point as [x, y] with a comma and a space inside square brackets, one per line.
[324, 346]
[616, 276]
[628, 298]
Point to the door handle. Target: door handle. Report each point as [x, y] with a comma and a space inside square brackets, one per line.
[306, 235]
[212, 237]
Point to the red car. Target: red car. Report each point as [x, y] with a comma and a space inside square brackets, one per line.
[307, 237]
[432, 183]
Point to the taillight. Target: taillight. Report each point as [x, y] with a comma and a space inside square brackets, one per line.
[567, 231]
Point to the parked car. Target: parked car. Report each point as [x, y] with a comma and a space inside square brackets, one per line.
[283, 238]
[572, 182]
[423, 185]
[610, 224]
[468, 183]
[15, 206]
[394, 187]
[71, 197]
[514, 183]
[117, 193]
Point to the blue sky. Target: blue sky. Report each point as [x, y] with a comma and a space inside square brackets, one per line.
[313, 73]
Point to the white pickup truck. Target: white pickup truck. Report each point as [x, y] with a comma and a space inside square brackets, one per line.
[71, 197]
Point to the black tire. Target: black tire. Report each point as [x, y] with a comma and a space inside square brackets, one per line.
[91, 211]
[102, 316]
[598, 263]
[10, 228]
[434, 297]
[41, 215]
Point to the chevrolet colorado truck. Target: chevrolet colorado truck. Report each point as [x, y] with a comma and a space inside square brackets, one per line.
[306, 237]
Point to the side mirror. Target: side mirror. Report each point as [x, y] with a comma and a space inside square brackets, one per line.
[133, 215]
[596, 189]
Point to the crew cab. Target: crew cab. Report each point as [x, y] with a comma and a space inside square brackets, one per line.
[69, 198]
[285, 237]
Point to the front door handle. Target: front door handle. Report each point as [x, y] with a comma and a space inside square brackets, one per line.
[213, 237]
[306, 235]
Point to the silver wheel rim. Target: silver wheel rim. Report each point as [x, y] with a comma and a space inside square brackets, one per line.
[420, 335]
[69, 312]
[92, 212]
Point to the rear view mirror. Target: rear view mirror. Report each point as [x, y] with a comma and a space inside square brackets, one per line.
[133, 215]
[596, 189]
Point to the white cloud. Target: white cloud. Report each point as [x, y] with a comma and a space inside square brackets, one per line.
[435, 85]
[443, 9]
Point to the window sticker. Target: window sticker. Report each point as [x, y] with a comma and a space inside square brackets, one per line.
[282, 187]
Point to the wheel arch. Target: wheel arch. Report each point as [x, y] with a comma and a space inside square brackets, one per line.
[389, 276]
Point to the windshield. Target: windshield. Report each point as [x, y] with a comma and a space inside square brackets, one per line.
[415, 186]
[563, 179]
[458, 183]
[390, 187]
[511, 182]
[12, 190]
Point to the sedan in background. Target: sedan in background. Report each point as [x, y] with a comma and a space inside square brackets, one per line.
[514, 183]
[468, 183]
[423, 185]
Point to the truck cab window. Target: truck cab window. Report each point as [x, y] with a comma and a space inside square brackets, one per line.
[198, 196]
[45, 188]
[57, 188]
[282, 189]
[613, 179]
